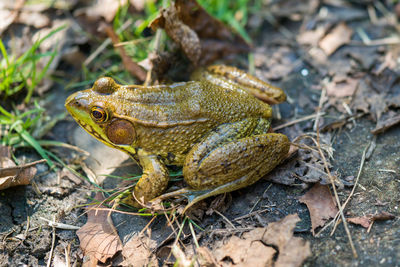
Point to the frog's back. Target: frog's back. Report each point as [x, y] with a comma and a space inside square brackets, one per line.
[189, 102]
[170, 119]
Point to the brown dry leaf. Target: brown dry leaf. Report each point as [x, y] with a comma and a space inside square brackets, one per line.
[101, 9]
[311, 37]
[139, 251]
[382, 126]
[98, 237]
[12, 175]
[292, 250]
[367, 220]
[202, 37]
[129, 64]
[305, 166]
[251, 250]
[320, 204]
[363, 221]
[9, 13]
[205, 258]
[35, 19]
[245, 252]
[181, 33]
[339, 36]
[342, 86]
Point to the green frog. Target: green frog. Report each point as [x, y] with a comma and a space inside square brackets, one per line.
[213, 126]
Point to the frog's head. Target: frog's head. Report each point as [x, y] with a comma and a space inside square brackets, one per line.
[95, 110]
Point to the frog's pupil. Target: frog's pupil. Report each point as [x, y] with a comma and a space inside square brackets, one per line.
[97, 114]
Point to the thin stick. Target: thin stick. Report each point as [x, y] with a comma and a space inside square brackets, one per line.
[60, 225]
[67, 251]
[147, 225]
[106, 43]
[355, 183]
[309, 117]
[226, 219]
[321, 102]
[53, 242]
[336, 195]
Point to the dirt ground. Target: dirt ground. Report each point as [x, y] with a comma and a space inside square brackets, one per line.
[362, 90]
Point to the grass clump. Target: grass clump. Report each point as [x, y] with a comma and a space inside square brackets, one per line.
[23, 73]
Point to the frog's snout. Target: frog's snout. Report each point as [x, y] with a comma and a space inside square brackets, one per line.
[77, 100]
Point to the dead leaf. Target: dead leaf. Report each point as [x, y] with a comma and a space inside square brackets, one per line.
[366, 220]
[320, 204]
[205, 258]
[202, 37]
[274, 245]
[101, 9]
[98, 237]
[9, 14]
[386, 124]
[292, 250]
[245, 252]
[363, 221]
[339, 36]
[129, 64]
[311, 37]
[181, 33]
[305, 166]
[12, 175]
[35, 19]
[342, 86]
[139, 251]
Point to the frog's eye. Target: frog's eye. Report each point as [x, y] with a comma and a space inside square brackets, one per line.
[98, 114]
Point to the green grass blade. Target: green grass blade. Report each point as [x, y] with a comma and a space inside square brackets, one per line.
[31, 141]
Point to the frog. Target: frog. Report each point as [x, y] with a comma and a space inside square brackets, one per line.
[216, 126]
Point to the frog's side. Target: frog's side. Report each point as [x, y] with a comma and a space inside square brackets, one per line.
[212, 127]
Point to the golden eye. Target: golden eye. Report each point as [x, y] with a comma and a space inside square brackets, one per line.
[99, 114]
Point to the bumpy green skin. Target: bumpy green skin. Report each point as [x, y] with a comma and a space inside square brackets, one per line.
[217, 131]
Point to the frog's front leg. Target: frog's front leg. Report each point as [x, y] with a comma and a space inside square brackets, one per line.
[228, 159]
[154, 180]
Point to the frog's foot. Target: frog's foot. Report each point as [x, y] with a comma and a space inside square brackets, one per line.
[193, 196]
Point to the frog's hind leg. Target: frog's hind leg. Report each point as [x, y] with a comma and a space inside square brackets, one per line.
[234, 78]
[232, 164]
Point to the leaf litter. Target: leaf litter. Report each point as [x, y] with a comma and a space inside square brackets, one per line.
[98, 237]
[12, 175]
[273, 245]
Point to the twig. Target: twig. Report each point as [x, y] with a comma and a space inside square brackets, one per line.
[53, 242]
[251, 214]
[355, 183]
[321, 102]
[60, 225]
[258, 200]
[226, 219]
[147, 225]
[67, 251]
[336, 195]
[132, 67]
[309, 117]
[106, 43]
